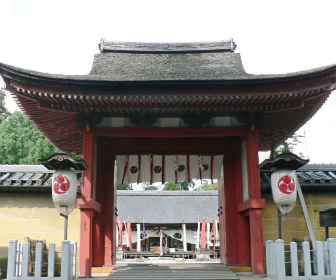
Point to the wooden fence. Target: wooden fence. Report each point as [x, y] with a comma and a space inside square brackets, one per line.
[19, 261]
[319, 264]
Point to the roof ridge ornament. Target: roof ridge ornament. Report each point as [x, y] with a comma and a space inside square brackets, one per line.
[183, 47]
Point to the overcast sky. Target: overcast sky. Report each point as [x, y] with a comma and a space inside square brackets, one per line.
[62, 37]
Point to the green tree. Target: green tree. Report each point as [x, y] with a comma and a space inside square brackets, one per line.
[288, 146]
[4, 113]
[210, 187]
[184, 185]
[171, 186]
[150, 188]
[124, 187]
[21, 142]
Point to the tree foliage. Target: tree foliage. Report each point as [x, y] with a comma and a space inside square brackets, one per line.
[150, 188]
[171, 186]
[210, 187]
[4, 113]
[186, 184]
[21, 142]
[124, 187]
[288, 146]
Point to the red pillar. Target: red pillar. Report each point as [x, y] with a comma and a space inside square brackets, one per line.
[110, 211]
[230, 213]
[254, 204]
[242, 221]
[98, 222]
[221, 220]
[87, 205]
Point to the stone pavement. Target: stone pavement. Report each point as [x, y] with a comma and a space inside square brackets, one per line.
[166, 268]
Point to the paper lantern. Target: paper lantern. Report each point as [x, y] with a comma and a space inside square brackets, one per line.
[64, 191]
[284, 183]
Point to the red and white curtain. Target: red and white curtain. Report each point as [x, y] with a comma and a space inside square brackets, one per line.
[167, 168]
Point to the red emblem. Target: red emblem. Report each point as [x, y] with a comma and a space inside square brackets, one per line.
[61, 184]
[286, 184]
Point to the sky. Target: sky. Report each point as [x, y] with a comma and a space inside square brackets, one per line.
[273, 37]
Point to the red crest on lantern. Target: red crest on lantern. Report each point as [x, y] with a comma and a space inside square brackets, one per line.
[61, 184]
[286, 184]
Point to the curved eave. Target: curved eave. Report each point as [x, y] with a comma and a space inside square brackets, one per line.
[92, 79]
[311, 87]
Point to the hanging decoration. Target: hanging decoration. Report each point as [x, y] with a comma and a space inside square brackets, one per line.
[120, 226]
[203, 233]
[161, 249]
[64, 183]
[167, 168]
[129, 236]
[198, 234]
[214, 231]
[144, 230]
[64, 191]
[284, 183]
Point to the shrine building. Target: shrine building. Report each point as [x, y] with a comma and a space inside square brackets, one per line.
[152, 112]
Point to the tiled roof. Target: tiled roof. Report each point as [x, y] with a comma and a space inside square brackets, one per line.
[13, 178]
[168, 207]
[28, 178]
[312, 177]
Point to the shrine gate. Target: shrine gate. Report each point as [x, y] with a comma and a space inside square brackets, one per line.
[184, 100]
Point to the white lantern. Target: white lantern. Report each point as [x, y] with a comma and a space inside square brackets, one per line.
[284, 183]
[64, 191]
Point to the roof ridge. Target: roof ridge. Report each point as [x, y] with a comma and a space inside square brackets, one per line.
[177, 47]
[167, 193]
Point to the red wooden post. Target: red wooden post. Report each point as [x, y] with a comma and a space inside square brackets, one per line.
[85, 254]
[255, 208]
[98, 221]
[243, 227]
[109, 211]
[221, 219]
[230, 212]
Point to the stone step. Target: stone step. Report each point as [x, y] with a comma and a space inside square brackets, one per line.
[171, 271]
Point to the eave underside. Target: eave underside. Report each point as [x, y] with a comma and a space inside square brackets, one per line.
[284, 106]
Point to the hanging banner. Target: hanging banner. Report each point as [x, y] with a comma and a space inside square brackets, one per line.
[64, 191]
[203, 233]
[120, 226]
[121, 164]
[208, 235]
[156, 168]
[217, 167]
[214, 227]
[194, 167]
[139, 172]
[197, 236]
[206, 167]
[129, 235]
[182, 169]
[132, 170]
[145, 168]
[169, 169]
[143, 231]
[138, 238]
[284, 182]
